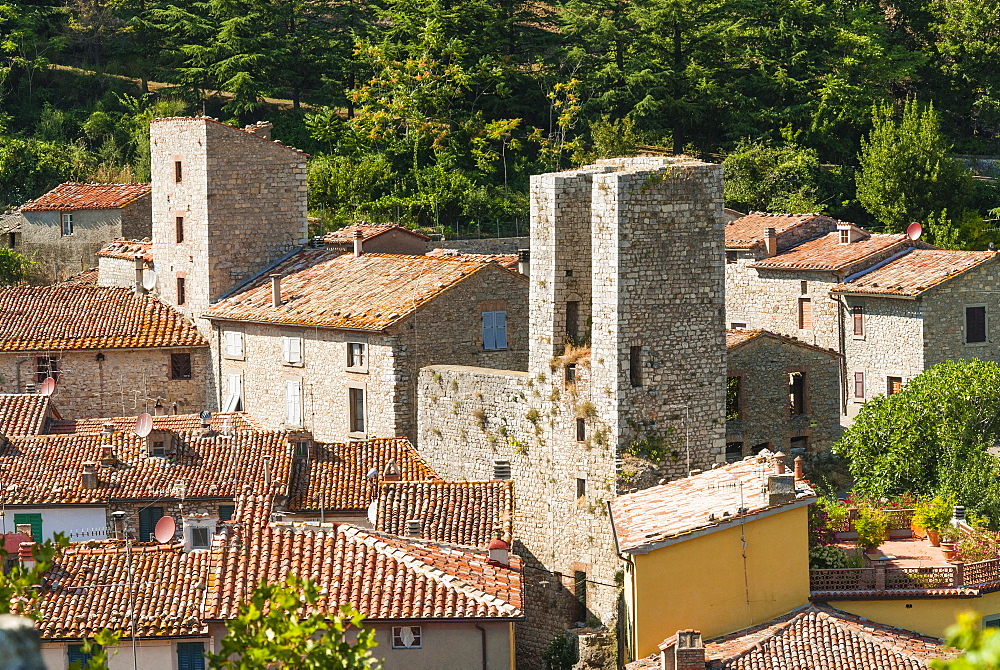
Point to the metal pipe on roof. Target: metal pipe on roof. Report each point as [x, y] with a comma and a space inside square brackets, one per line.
[275, 290]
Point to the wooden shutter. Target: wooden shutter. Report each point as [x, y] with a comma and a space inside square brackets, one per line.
[293, 402]
[489, 334]
[859, 321]
[190, 656]
[235, 387]
[295, 349]
[975, 324]
[74, 653]
[805, 314]
[859, 384]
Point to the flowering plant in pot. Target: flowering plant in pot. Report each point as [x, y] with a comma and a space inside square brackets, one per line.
[950, 535]
[933, 515]
[872, 527]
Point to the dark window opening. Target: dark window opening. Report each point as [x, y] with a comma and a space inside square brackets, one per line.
[179, 228]
[569, 273]
[46, 366]
[573, 319]
[804, 286]
[737, 326]
[581, 429]
[180, 366]
[226, 512]
[178, 172]
[859, 320]
[797, 393]
[148, 516]
[581, 488]
[799, 445]
[757, 448]
[730, 257]
[733, 398]
[635, 366]
[158, 448]
[734, 452]
[199, 538]
[302, 449]
[975, 324]
[894, 385]
[356, 398]
[181, 297]
[570, 373]
[580, 591]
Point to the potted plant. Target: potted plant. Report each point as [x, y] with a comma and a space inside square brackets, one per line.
[872, 526]
[950, 535]
[933, 515]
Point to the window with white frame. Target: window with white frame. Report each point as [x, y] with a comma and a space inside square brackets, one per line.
[495, 330]
[293, 402]
[357, 356]
[232, 342]
[200, 538]
[67, 224]
[356, 408]
[406, 637]
[234, 393]
[291, 347]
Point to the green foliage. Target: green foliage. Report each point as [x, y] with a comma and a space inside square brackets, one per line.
[830, 557]
[96, 649]
[931, 438]
[560, 654]
[28, 168]
[872, 526]
[13, 267]
[934, 514]
[762, 177]
[280, 627]
[980, 646]
[732, 398]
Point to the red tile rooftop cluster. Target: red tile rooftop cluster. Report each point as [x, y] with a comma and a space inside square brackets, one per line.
[72, 196]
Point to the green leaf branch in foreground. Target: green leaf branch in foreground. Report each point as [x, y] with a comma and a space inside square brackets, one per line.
[980, 646]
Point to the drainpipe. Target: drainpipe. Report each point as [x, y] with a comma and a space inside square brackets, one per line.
[486, 663]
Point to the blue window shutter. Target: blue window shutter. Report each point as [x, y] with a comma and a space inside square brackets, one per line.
[500, 327]
[75, 655]
[489, 334]
[36, 524]
[190, 656]
[226, 512]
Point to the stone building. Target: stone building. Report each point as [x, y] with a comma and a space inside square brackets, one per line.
[333, 342]
[783, 395]
[626, 361]
[11, 227]
[116, 264]
[378, 238]
[69, 224]
[109, 350]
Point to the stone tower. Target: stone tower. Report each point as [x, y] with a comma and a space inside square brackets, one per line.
[227, 204]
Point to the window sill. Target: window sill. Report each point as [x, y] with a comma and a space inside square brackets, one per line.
[976, 344]
[357, 371]
[858, 337]
[233, 358]
[858, 401]
[488, 350]
[286, 364]
[357, 436]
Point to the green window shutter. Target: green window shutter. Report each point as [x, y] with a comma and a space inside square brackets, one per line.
[36, 524]
[148, 516]
[226, 512]
[190, 656]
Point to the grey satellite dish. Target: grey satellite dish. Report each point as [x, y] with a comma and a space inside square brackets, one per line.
[914, 231]
[373, 512]
[164, 529]
[149, 279]
[48, 386]
[143, 424]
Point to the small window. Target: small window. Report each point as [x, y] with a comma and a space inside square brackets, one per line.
[635, 366]
[158, 448]
[181, 292]
[495, 330]
[46, 366]
[406, 637]
[180, 366]
[581, 489]
[570, 373]
[293, 402]
[356, 355]
[799, 445]
[805, 314]
[894, 385]
[233, 342]
[797, 393]
[356, 400]
[737, 326]
[67, 224]
[734, 452]
[572, 319]
[845, 236]
[302, 449]
[733, 391]
[33, 520]
[179, 228]
[199, 538]
[804, 287]
[234, 393]
[992, 621]
[227, 512]
[859, 384]
[569, 273]
[148, 516]
[76, 655]
[730, 257]
[858, 312]
[291, 349]
[580, 591]
[501, 469]
[178, 172]
[975, 324]
[581, 429]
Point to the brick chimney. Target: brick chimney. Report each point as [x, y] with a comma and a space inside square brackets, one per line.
[770, 242]
[260, 129]
[88, 478]
[158, 408]
[685, 652]
[25, 555]
[359, 240]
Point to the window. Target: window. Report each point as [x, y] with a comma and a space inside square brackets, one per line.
[226, 512]
[33, 520]
[859, 384]
[495, 330]
[804, 287]
[181, 292]
[569, 273]
[67, 224]
[190, 656]
[859, 320]
[178, 172]
[991, 621]
[894, 385]
[148, 516]
[581, 429]
[799, 445]
[406, 637]
[635, 366]
[581, 490]
[291, 349]
[46, 366]
[179, 228]
[76, 655]
[356, 400]
[572, 319]
[200, 538]
[158, 448]
[845, 236]
[234, 394]
[180, 366]
[805, 314]
[733, 389]
[975, 324]
[302, 449]
[797, 393]
[293, 402]
[580, 590]
[730, 257]
[570, 373]
[734, 452]
[737, 326]
[356, 355]
[233, 343]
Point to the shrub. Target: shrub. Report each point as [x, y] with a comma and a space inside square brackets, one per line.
[979, 545]
[934, 514]
[830, 557]
[872, 526]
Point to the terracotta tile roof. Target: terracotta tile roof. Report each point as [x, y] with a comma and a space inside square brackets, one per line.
[345, 236]
[11, 222]
[369, 292]
[826, 253]
[88, 590]
[127, 249]
[747, 232]
[335, 474]
[465, 513]
[645, 520]
[71, 196]
[913, 273]
[737, 338]
[77, 316]
[45, 470]
[87, 277]
[509, 261]
[237, 422]
[24, 414]
[384, 577]
[208, 119]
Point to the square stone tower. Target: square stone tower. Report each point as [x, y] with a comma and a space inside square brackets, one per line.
[227, 204]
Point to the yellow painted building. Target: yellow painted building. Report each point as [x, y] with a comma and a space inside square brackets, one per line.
[925, 615]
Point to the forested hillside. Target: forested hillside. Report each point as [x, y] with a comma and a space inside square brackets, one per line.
[434, 113]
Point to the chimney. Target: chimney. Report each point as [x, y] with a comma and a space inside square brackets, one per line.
[413, 527]
[359, 239]
[88, 478]
[958, 515]
[267, 471]
[689, 652]
[275, 290]
[25, 555]
[780, 489]
[158, 408]
[770, 241]
[523, 261]
[139, 265]
[108, 458]
[391, 473]
[779, 463]
[499, 552]
[260, 129]
[799, 471]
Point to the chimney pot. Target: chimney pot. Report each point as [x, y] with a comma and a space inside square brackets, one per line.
[779, 463]
[25, 556]
[524, 261]
[108, 458]
[276, 290]
[359, 240]
[158, 408]
[139, 265]
[958, 515]
[799, 471]
[499, 552]
[770, 241]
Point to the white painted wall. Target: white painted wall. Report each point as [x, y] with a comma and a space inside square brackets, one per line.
[76, 521]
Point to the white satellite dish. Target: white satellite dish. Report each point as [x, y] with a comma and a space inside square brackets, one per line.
[373, 512]
[143, 424]
[149, 279]
[914, 231]
[48, 386]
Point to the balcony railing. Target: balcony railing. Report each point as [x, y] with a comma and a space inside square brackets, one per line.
[889, 578]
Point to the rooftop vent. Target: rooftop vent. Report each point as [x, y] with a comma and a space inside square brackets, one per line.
[501, 469]
[770, 241]
[523, 261]
[413, 527]
[499, 552]
[88, 478]
[391, 472]
[108, 458]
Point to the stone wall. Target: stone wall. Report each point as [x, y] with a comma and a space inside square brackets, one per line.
[171, 505]
[116, 272]
[487, 245]
[763, 366]
[126, 382]
[944, 316]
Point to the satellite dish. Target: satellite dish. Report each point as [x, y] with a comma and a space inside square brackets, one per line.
[48, 386]
[164, 530]
[914, 230]
[205, 415]
[149, 279]
[373, 512]
[143, 424]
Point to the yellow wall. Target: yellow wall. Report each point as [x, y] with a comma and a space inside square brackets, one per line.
[928, 616]
[699, 583]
